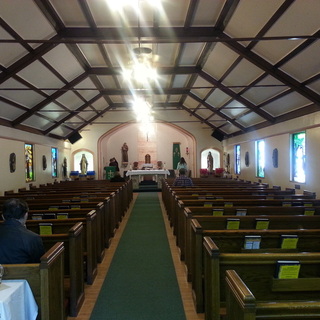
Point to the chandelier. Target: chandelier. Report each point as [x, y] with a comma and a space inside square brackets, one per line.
[141, 72]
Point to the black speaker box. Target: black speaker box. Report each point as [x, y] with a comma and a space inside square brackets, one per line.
[218, 135]
[75, 137]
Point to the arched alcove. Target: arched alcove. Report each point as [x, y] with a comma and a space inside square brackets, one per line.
[158, 144]
[216, 154]
[77, 155]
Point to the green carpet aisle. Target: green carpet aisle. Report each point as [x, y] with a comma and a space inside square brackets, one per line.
[141, 283]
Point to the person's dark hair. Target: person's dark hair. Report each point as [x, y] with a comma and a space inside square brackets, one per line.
[182, 160]
[14, 209]
[182, 171]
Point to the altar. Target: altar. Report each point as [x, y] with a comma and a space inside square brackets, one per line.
[137, 176]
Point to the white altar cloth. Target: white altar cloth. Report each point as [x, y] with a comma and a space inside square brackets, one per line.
[137, 176]
[17, 301]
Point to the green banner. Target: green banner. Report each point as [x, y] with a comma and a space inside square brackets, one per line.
[176, 155]
[110, 172]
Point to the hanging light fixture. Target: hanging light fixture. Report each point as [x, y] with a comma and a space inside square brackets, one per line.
[141, 71]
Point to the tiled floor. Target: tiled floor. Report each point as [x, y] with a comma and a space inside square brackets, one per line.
[92, 291]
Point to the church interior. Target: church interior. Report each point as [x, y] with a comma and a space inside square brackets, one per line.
[149, 82]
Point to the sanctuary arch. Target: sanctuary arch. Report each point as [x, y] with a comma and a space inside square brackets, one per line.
[158, 144]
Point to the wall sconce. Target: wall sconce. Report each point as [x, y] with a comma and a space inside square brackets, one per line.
[187, 151]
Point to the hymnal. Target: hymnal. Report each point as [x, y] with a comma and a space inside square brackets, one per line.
[45, 228]
[217, 212]
[262, 224]
[62, 215]
[287, 269]
[286, 204]
[307, 204]
[309, 212]
[37, 216]
[228, 204]
[241, 212]
[207, 204]
[233, 224]
[49, 216]
[252, 242]
[289, 241]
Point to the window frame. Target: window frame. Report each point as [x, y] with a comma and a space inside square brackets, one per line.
[260, 158]
[295, 146]
[237, 158]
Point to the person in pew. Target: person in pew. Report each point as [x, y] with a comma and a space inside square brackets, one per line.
[182, 180]
[117, 177]
[17, 243]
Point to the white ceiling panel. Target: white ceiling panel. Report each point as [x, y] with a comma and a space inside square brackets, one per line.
[286, 104]
[252, 61]
[219, 61]
[250, 119]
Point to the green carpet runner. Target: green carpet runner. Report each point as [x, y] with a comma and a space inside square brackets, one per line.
[141, 283]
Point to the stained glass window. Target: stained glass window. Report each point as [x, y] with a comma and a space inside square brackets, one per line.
[260, 158]
[298, 152]
[54, 161]
[237, 152]
[28, 152]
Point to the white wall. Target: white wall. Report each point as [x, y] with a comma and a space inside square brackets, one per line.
[278, 136]
[13, 141]
[114, 136]
[199, 139]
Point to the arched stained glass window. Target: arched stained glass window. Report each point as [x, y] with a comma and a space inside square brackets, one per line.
[298, 157]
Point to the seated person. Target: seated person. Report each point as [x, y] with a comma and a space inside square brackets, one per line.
[117, 177]
[182, 180]
[17, 243]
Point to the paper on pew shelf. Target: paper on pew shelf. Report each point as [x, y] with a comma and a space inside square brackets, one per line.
[252, 242]
[289, 241]
[45, 228]
[233, 224]
[217, 212]
[262, 224]
[309, 212]
[287, 269]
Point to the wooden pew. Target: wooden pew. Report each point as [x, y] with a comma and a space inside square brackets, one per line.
[46, 280]
[90, 230]
[183, 219]
[257, 268]
[177, 215]
[197, 226]
[242, 304]
[73, 262]
[100, 211]
[233, 241]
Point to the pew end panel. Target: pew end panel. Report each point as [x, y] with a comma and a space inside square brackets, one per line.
[241, 304]
[46, 280]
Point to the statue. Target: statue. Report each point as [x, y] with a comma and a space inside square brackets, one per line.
[64, 167]
[124, 151]
[210, 162]
[83, 164]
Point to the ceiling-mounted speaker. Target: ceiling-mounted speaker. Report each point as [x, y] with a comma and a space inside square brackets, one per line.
[217, 135]
[75, 137]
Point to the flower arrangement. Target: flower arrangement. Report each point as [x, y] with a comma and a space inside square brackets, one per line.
[204, 173]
